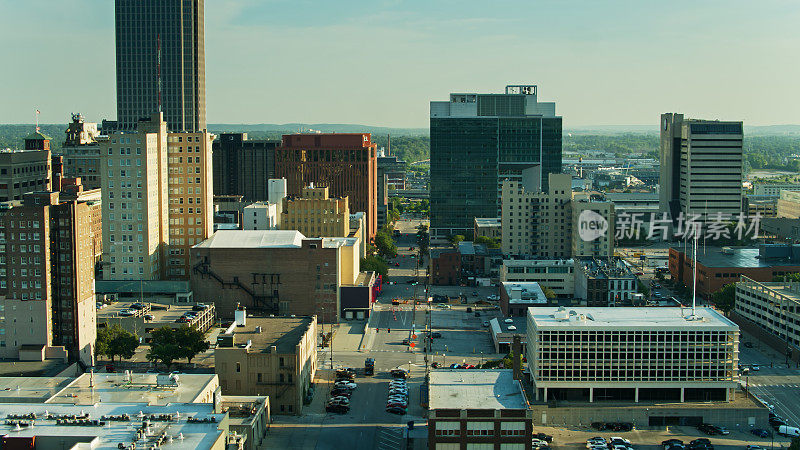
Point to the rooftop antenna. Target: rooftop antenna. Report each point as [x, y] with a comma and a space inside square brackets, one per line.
[158, 68]
[37, 119]
[694, 278]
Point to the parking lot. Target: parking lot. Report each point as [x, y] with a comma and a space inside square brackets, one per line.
[650, 439]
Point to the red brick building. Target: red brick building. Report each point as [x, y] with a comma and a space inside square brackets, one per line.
[445, 267]
[344, 162]
[717, 266]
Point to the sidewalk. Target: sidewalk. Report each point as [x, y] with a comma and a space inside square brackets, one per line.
[348, 337]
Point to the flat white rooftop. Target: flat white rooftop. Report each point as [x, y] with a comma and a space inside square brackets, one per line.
[524, 292]
[253, 239]
[475, 389]
[629, 318]
[30, 389]
[89, 389]
[181, 434]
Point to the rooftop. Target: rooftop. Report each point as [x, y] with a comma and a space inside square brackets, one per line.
[253, 239]
[184, 434]
[336, 242]
[629, 318]
[162, 313]
[30, 389]
[524, 292]
[144, 287]
[601, 268]
[89, 389]
[499, 326]
[475, 389]
[281, 332]
[735, 257]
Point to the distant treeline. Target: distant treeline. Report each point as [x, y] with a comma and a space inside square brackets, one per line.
[761, 152]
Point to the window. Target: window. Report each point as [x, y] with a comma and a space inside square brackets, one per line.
[512, 428]
[482, 446]
[238, 367]
[448, 428]
[480, 428]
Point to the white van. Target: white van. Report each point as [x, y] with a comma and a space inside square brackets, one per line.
[788, 431]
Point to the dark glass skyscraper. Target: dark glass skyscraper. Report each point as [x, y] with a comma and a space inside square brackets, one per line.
[479, 140]
[172, 32]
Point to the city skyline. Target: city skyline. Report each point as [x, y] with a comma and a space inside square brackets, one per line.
[274, 62]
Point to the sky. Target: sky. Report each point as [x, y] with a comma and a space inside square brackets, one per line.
[380, 62]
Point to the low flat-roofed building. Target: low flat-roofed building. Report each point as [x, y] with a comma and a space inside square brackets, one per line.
[503, 333]
[774, 309]
[155, 389]
[155, 291]
[248, 420]
[31, 389]
[556, 274]
[178, 426]
[477, 407]
[273, 356]
[152, 316]
[274, 272]
[489, 227]
[629, 353]
[516, 298]
[717, 266]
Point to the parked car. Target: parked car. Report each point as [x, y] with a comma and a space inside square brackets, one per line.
[337, 408]
[543, 437]
[616, 440]
[700, 442]
[619, 426]
[753, 447]
[399, 373]
[755, 367]
[485, 323]
[670, 442]
[341, 392]
[599, 426]
[345, 384]
[760, 432]
[436, 335]
[396, 404]
[707, 429]
[721, 430]
[396, 410]
[786, 430]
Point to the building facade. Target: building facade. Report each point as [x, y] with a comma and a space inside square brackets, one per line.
[555, 274]
[274, 272]
[316, 214]
[135, 202]
[489, 227]
[260, 216]
[81, 152]
[589, 240]
[160, 47]
[242, 166]
[191, 197]
[632, 354]
[701, 166]
[480, 409]
[516, 298]
[47, 278]
[269, 356]
[774, 190]
[479, 140]
[344, 162]
[605, 282]
[775, 308]
[27, 170]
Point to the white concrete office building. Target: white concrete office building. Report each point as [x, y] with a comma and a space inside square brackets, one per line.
[701, 166]
[632, 354]
[260, 216]
[774, 307]
[556, 274]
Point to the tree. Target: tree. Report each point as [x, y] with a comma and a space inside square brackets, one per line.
[164, 347]
[169, 344]
[644, 290]
[487, 241]
[192, 341]
[454, 240]
[789, 277]
[725, 298]
[422, 239]
[795, 445]
[385, 245]
[115, 341]
[548, 292]
[373, 263]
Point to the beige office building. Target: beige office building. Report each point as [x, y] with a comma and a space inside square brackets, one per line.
[191, 198]
[556, 274]
[271, 356]
[157, 200]
[316, 213]
[134, 187]
[81, 152]
[586, 215]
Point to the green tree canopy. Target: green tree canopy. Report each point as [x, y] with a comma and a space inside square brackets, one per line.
[191, 340]
[169, 344]
[548, 292]
[376, 264]
[454, 240]
[113, 341]
[725, 298]
[385, 245]
[487, 241]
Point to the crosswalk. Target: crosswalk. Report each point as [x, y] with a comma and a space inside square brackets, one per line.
[772, 385]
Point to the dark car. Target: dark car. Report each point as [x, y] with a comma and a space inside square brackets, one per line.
[599, 426]
[477, 314]
[406, 341]
[669, 442]
[776, 422]
[760, 432]
[543, 437]
[337, 408]
[399, 373]
[436, 335]
[396, 410]
[700, 442]
[748, 344]
[707, 429]
[341, 392]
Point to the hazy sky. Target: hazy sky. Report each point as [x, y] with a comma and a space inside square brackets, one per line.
[379, 62]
